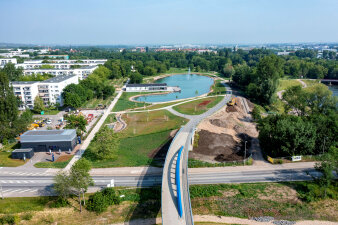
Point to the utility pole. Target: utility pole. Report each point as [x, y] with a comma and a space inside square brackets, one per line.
[2, 194]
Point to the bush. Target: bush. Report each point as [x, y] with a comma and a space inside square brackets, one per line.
[311, 192]
[5, 141]
[256, 113]
[100, 201]
[10, 219]
[59, 203]
[27, 216]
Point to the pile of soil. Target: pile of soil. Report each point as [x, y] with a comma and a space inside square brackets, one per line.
[222, 147]
[231, 109]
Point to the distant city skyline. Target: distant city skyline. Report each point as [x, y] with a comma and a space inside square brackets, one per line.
[151, 22]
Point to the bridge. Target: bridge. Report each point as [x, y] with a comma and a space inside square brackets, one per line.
[329, 81]
[176, 207]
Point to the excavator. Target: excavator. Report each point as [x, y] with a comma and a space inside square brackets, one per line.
[232, 102]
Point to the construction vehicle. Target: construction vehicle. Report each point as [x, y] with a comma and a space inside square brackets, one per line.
[232, 102]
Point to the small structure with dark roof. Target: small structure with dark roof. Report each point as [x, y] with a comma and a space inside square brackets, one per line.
[43, 141]
[146, 87]
[25, 153]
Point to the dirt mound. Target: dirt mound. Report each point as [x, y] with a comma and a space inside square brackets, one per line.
[222, 146]
[220, 123]
[231, 109]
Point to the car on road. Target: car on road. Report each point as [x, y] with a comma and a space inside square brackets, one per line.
[49, 122]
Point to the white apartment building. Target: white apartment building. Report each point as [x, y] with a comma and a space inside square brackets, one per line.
[50, 91]
[26, 91]
[81, 73]
[4, 61]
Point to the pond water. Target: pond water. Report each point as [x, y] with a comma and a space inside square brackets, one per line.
[334, 89]
[191, 85]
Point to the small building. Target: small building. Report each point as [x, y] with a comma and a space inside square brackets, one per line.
[45, 140]
[24, 153]
[146, 87]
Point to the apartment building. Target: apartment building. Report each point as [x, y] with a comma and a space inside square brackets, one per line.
[50, 91]
[81, 73]
[4, 61]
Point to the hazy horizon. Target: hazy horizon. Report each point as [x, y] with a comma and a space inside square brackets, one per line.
[150, 22]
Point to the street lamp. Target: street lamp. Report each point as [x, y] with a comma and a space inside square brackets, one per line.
[244, 152]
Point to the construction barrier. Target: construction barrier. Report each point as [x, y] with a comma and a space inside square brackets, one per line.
[178, 182]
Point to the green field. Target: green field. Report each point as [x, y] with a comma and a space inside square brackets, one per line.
[284, 84]
[124, 103]
[199, 106]
[93, 103]
[310, 83]
[5, 156]
[145, 133]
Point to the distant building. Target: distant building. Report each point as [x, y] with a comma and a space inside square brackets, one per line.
[283, 53]
[50, 91]
[146, 87]
[4, 61]
[45, 140]
[55, 56]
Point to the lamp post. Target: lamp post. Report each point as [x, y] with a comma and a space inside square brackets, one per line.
[244, 152]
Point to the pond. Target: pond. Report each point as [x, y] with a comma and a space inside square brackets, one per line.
[191, 85]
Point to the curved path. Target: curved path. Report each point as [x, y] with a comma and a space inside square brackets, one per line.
[170, 214]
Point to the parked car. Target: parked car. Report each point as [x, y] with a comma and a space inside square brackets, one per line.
[49, 121]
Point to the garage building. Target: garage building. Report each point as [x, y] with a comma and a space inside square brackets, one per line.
[43, 141]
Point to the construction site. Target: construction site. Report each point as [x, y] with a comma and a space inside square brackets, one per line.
[227, 135]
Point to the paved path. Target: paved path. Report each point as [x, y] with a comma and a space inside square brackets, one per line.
[97, 127]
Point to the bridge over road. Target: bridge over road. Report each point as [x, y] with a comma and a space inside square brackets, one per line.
[176, 207]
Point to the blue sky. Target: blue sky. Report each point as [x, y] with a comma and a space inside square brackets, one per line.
[113, 22]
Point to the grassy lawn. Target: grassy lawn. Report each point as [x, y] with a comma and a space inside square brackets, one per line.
[199, 106]
[194, 163]
[93, 103]
[60, 163]
[161, 105]
[310, 83]
[145, 133]
[5, 156]
[23, 204]
[218, 88]
[284, 84]
[123, 103]
[150, 122]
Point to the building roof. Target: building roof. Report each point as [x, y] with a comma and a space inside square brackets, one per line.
[58, 79]
[23, 150]
[24, 82]
[88, 67]
[146, 85]
[48, 135]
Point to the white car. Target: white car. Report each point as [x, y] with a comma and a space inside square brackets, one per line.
[49, 122]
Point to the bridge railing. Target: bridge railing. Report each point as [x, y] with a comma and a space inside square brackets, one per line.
[178, 183]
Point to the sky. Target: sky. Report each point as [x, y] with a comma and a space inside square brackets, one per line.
[139, 22]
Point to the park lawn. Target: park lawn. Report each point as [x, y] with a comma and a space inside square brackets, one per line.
[284, 84]
[150, 122]
[199, 106]
[124, 103]
[23, 204]
[218, 88]
[5, 156]
[160, 105]
[60, 163]
[134, 151]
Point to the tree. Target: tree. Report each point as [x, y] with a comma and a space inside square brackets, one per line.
[327, 165]
[295, 98]
[12, 72]
[107, 143]
[72, 99]
[62, 185]
[228, 70]
[80, 178]
[39, 105]
[76, 122]
[135, 78]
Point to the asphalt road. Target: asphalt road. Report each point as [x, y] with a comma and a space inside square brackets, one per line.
[20, 186]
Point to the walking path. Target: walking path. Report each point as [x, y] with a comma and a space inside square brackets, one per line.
[97, 127]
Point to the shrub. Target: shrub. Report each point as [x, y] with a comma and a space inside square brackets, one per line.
[5, 141]
[27, 216]
[100, 201]
[256, 113]
[10, 219]
[59, 203]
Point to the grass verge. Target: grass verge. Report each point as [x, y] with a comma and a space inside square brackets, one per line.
[199, 106]
[124, 103]
[60, 163]
[5, 156]
[284, 84]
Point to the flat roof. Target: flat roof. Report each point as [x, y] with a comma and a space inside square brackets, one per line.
[48, 135]
[147, 85]
[24, 82]
[23, 150]
[58, 79]
[87, 67]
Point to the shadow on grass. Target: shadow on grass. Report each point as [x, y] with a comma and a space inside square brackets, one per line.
[149, 202]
